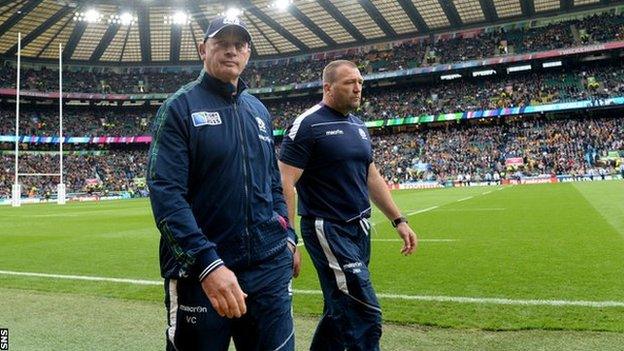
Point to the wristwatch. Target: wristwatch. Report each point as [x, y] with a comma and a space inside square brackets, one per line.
[398, 221]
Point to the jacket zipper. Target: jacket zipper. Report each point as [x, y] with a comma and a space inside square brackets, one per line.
[246, 178]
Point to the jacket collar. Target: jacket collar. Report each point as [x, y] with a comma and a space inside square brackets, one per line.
[224, 89]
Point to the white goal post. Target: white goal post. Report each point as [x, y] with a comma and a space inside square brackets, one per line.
[16, 189]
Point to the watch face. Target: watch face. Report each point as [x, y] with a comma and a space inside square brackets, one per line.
[399, 221]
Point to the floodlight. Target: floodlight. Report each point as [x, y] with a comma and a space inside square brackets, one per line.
[281, 5]
[233, 12]
[179, 17]
[125, 19]
[91, 16]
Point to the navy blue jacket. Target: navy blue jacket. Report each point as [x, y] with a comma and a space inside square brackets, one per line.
[214, 184]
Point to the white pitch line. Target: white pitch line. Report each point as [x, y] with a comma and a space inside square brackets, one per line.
[489, 300]
[466, 198]
[420, 240]
[472, 209]
[487, 192]
[84, 277]
[428, 298]
[401, 240]
[423, 210]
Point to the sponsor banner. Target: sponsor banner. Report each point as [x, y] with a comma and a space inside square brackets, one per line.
[566, 178]
[426, 119]
[54, 153]
[395, 122]
[594, 103]
[417, 185]
[514, 161]
[79, 197]
[449, 117]
[374, 124]
[541, 179]
[77, 140]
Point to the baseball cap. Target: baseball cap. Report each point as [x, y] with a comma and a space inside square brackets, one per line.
[222, 22]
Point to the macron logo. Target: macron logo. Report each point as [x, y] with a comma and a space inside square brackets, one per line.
[334, 132]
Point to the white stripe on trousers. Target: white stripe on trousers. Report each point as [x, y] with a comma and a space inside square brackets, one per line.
[341, 279]
[292, 333]
[173, 310]
[365, 225]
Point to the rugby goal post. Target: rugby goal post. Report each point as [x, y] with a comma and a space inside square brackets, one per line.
[16, 190]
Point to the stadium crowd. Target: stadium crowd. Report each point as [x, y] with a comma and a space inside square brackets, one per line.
[449, 48]
[84, 172]
[475, 151]
[470, 94]
[515, 90]
[78, 122]
[438, 152]
[575, 146]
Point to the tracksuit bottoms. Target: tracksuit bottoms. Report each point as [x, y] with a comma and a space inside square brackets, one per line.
[340, 252]
[193, 324]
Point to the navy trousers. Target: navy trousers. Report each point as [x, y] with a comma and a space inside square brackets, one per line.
[193, 324]
[351, 313]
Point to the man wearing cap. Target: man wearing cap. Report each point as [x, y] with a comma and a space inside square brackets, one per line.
[327, 154]
[227, 251]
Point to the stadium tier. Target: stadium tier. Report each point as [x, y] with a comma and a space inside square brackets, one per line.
[427, 51]
[570, 84]
[420, 99]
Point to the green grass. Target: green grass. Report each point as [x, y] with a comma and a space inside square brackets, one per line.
[96, 323]
[551, 242]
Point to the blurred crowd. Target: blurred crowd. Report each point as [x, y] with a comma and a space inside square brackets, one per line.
[594, 82]
[415, 53]
[472, 94]
[439, 152]
[114, 170]
[478, 151]
[475, 151]
[78, 122]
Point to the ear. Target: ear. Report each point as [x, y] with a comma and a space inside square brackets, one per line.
[327, 88]
[202, 50]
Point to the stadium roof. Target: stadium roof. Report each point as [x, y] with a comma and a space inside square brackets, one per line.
[165, 32]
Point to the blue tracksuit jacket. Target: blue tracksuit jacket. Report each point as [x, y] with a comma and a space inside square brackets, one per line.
[214, 184]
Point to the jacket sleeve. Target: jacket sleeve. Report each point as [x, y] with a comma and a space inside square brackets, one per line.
[279, 204]
[167, 179]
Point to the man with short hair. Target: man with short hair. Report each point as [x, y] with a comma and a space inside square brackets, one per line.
[327, 154]
[226, 248]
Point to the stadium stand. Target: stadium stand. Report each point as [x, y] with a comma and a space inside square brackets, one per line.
[574, 145]
[547, 146]
[459, 47]
[443, 152]
[505, 91]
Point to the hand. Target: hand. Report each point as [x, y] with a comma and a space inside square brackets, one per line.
[222, 289]
[410, 241]
[296, 259]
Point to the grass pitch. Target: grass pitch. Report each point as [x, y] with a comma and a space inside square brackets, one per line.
[543, 263]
